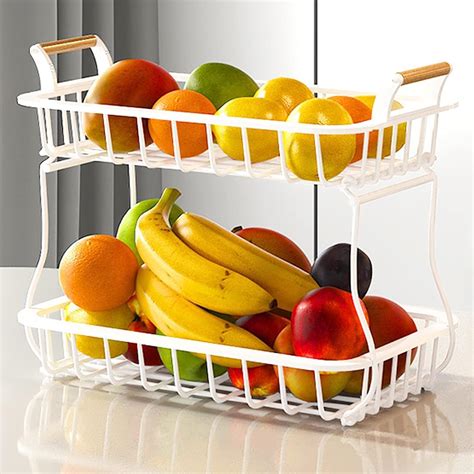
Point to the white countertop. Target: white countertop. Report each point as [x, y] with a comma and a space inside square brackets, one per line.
[130, 430]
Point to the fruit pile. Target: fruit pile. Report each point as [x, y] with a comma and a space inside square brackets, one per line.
[182, 275]
[226, 91]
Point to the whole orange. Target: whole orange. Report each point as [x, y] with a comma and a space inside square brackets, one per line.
[97, 273]
[192, 136]
[359, 112]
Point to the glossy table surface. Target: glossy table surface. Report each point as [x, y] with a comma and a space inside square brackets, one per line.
[120, 429]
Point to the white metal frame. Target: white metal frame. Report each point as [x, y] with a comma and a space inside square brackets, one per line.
[404, 171]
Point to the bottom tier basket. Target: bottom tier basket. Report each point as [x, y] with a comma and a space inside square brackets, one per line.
[53, 340]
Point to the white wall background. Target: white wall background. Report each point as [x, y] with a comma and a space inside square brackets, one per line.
[265, 38]
[361, 43]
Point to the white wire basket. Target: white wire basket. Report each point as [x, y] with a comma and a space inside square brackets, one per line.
[362, 182]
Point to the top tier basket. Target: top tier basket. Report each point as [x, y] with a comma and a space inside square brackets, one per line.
[362, 182]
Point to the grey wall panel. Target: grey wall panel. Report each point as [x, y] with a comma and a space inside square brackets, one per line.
[136, 36]
[69, 24]
[129, 29]
[19, 137]
[81, 201]
[97, 179]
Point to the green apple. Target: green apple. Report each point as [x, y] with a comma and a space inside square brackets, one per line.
[191, 368]
[128, 224]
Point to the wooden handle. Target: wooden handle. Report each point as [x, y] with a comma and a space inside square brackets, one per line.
[69, 44]
[425, 72]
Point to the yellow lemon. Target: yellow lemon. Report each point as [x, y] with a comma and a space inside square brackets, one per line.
[337, 150]
[263, 144]
[286, 91]
[369, 100]
[118, 318]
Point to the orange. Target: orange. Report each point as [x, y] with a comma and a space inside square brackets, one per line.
[192, 136]
[286, 91]
[359, 112]
[369, 100]
[97, 273]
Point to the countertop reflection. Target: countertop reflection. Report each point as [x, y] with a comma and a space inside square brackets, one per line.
[76, 428]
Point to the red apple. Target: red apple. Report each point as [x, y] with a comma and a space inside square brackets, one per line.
[301, 382]
[141, 324]
[276, 244]
[263, 380]
[388, 322]
[325, 325]
[266, 326]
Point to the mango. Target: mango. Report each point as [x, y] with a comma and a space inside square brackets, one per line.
[131, 83]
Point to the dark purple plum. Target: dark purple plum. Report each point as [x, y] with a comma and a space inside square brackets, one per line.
[333, 268]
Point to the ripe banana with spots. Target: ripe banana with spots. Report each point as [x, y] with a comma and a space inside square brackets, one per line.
[175, 316]
[285, 282]
[193, 276]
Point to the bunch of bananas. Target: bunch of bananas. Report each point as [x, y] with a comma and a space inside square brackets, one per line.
[197, 264]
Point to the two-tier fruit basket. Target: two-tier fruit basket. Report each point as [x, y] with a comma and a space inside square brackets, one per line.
[53, 340]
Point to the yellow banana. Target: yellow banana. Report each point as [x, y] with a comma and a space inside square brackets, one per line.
[285, 282]
[175, 316]
[199, 280]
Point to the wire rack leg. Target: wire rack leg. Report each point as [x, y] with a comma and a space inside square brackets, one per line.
[132, 180]
[436, 277]
[44, 234]
[357, 412]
